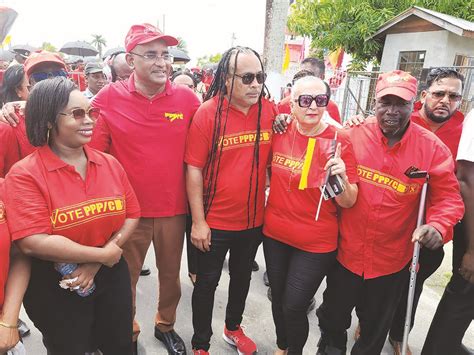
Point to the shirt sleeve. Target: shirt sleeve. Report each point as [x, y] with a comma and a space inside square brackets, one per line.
[27, 208]
[9, 150]
[198, 139]
[466, 144]
[101, 138]
[444, 203]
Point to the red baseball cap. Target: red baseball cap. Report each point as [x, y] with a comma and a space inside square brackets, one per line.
[42, 57]
[145, 33]
[398, 83]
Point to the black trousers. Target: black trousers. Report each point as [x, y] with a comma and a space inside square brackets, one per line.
[73, 325]
[191, 250]
[456, 308]
[429, 262]
[377, 297]
[295, 276]
[241, 245]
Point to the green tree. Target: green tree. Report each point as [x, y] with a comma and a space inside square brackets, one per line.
[332, 24]
[99, 42]
[182, 45]
[209, 59]
[48, 47]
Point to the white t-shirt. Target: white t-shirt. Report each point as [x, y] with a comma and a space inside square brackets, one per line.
[466, 144]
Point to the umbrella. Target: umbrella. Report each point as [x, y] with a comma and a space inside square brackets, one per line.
[80, 48]
[6, 55]
[113, 51]
[179, 55]
[23, 49]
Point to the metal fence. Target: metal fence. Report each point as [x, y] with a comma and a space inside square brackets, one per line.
[357, 94]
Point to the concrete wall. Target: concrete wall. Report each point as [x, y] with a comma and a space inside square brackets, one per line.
[441, 47]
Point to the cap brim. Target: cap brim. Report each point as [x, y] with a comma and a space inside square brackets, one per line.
[34, 65]
[169, 40]
[405, 94]
[93, 71]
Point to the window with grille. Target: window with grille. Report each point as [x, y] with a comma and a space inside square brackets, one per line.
[412, 62]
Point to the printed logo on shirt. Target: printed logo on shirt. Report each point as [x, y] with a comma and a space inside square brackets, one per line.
[3, 214]
[70, 216]
[243, 139]
[287, 163]
[172, 116]
[386, 181]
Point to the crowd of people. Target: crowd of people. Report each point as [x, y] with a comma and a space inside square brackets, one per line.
[92, 174]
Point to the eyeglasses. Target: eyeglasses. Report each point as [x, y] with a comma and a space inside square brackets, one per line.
[248, 78]
[80, 113]
[152, 57]
[305, 101]
[47, 75]
[438, 95]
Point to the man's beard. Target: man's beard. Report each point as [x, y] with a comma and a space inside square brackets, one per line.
[438, 119]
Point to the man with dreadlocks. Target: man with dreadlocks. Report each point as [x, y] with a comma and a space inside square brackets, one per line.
[227, 151]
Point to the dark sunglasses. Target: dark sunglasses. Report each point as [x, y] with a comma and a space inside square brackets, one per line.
[80, 113]
[248, 78]
[47, 75]
[321, 100]
[438, 95]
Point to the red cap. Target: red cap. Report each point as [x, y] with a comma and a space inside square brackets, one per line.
[398, 83]
[42, 57]
[145, 33]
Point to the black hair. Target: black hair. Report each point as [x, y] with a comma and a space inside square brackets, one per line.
[317, 63]
[12, 80]
[437, 74]
[46, 100]
[226, 69]
[180, 72]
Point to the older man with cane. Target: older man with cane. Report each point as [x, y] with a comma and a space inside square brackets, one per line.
[376, 235]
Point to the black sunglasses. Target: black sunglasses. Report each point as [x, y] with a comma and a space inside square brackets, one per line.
[80, 113]
[305, 101]
[248, 78]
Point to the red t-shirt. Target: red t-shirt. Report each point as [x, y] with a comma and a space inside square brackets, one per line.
[47, 195]
[284, 107]
[4, 245]
[79, 78]
[148, 137]
[9, 149]
[290, 212]
[449, 132]
[229, 207]
[375, 234]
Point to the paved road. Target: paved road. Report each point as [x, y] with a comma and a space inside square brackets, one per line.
[257, 319]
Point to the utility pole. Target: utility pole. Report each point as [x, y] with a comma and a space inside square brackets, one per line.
[232, 39]
[275, 24]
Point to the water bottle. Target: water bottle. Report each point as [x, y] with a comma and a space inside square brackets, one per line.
[69, 268]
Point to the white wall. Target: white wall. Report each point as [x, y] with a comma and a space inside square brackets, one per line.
[441, 47]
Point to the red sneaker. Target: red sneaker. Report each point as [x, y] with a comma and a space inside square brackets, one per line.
[200, 352]
[237, 338]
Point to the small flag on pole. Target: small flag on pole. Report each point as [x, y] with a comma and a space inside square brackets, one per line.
[286, 60]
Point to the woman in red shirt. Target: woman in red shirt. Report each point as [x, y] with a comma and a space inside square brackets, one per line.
[72, 208]
[13, 282]
[299, 251]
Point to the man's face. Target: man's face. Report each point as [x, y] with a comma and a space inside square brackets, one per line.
[245, 95]
[438, 107]
[95, 81]
[150, 72]
[121, 67]
[45, 70]
[393, 115]
[185, 81]
[315, 70]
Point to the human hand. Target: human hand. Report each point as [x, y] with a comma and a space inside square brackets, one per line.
[112, 252]
[281, 122]
[85, 274]
[428, 236]
[467, 267]
[201, 236]
[356, 120]
[9, 337]
[9, 112]
[336, 164]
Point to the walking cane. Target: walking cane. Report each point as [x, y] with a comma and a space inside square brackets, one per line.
[414, 173]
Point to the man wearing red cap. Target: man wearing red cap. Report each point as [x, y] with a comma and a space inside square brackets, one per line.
[144, 122]
[373, 259]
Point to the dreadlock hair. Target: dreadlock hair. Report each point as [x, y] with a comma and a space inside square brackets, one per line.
[225, 69]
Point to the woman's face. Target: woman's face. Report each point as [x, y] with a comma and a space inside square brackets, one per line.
[73, 129]
[308, 116]
[23, 89]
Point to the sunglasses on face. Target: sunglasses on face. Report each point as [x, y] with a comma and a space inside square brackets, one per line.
[305, 101]
[80, 113]
[47, 75]
[248, 78]
[438, 95]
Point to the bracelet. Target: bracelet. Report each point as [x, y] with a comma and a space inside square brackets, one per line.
[9, 326]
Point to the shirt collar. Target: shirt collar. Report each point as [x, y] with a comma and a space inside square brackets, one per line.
[132, 87]
[52, 162]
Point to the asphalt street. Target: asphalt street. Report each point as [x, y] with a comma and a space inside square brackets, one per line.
[258, 320]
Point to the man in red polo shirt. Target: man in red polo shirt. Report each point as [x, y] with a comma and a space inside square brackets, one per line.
[227, 152]
[144, 122]
[373, 260]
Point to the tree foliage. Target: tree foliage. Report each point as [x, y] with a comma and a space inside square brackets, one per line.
[99, 42]
[332, 24]
[209, 59]
[182, 45]
[48, 47]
